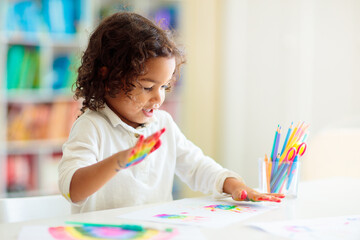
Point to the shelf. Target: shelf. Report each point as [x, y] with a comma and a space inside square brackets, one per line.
[39, 46]
[41, 39]
[38, 95]
[30, 193]
[36, 76]
[34, 146]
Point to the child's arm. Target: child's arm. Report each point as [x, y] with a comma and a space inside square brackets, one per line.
[88, 180]
[240, 192]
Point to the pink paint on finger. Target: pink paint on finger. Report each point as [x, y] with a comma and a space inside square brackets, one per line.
[243, 195]
[269, 199]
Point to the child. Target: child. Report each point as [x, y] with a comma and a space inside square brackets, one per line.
[123, 151]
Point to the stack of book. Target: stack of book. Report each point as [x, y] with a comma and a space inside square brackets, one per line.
[59, 18]
[23, 69]
[41, 121]
[21, 173]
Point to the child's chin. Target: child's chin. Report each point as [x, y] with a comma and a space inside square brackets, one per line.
[144, 122]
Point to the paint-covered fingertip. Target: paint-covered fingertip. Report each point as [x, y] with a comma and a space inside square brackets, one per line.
[243, 195]
[162, 130]
[156, 146]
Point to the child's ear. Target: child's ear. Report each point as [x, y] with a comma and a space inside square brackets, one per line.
[103, 72]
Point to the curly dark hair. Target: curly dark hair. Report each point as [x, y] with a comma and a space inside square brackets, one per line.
[122, 43]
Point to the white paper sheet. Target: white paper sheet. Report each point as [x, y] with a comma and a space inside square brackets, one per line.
[201, 212]
[344, 228]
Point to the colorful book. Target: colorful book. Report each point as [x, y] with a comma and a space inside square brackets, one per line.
[15, 58]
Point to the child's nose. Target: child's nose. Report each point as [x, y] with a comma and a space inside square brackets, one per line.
[158, 97]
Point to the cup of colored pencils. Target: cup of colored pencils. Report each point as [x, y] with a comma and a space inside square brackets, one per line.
[280, 172]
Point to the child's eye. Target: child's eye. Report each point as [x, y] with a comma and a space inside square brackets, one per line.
[166, 87]
[147, 88]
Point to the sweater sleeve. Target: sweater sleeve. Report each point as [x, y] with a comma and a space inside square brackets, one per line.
[199, 172]
[78, 152]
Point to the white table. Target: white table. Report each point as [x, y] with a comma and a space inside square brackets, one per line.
[317, 199]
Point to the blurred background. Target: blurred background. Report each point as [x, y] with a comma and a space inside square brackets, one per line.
[251, 65]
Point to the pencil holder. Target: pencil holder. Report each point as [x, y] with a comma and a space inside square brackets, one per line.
[275, 177]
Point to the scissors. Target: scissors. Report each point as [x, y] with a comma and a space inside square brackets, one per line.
[290, 155]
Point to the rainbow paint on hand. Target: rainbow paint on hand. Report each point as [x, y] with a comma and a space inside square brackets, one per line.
[144, 147]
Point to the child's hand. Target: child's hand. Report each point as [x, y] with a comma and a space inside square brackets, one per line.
[249, 194]
[142, 148]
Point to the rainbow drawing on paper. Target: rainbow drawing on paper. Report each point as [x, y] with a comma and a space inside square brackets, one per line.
[95, 232]
[182, 217]
[198, 212]
[231, 208]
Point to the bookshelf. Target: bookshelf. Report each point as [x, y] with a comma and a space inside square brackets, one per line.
[40, 42]
[40, 47]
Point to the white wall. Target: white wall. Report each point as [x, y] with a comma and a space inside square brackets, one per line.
[285, 61]
[199, 113]
[200, 92]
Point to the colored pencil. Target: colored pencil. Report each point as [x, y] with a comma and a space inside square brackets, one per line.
[278, 170]
[273, 148]
[268, 172]
[305, 137]
[277, 142]
[292, 172]
[275, 185]
[287, 138]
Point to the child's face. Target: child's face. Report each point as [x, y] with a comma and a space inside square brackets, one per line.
[148, 94]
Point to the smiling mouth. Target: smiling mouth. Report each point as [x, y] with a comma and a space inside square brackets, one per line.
[148, 112]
